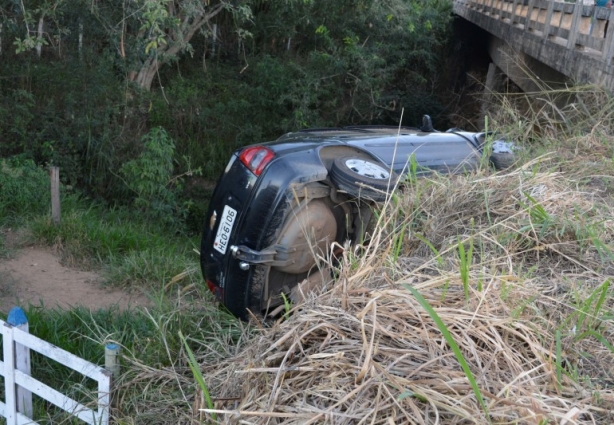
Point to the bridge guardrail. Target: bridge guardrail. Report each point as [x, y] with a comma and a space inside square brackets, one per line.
[574, 25]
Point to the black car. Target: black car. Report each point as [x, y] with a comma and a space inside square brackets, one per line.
[280, 205]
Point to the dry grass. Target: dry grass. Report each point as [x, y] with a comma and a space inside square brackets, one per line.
[365, 351]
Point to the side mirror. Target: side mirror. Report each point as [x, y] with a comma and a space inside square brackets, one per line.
[427, 124]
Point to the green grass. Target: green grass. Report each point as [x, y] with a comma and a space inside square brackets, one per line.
[453, 345]
[151, 341]
[131, 251]
[4, 252]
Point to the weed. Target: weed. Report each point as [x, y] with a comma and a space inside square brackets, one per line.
[466, 259]
[587, 317]
[559, 358]
[150, 177]
[198, 375]
[398, 243]
[287, 306]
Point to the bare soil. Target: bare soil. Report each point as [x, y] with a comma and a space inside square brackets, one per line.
[34, 275]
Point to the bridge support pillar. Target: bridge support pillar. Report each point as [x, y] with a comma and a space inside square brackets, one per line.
[494, 84]
[526, 72]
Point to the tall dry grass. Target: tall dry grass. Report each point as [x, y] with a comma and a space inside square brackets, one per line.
[366, 351]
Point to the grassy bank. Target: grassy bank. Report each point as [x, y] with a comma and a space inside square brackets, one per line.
[481, 298]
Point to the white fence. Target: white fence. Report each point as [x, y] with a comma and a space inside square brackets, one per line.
[19, 385]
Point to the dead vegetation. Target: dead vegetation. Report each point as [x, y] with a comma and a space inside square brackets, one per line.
[525, 316]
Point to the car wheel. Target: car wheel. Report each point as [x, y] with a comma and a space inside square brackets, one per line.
[362, 177]
[306, 232]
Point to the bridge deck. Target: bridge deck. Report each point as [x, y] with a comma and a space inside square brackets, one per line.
[576, 40]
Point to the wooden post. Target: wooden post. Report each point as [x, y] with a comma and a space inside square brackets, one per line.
[17, 318]
[54, 174]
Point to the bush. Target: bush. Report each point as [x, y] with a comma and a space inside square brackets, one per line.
[150, 177]
[24, 189]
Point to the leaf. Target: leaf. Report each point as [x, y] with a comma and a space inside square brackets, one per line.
[198, 375]
[321, 30]
[453, 345]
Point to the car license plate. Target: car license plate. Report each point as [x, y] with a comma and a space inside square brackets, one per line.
[222, 237]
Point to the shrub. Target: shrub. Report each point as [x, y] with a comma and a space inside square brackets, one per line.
[24, 189]
[150, 177]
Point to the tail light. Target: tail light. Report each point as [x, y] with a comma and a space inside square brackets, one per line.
[211, 286]
[255, 158]
[216, 290]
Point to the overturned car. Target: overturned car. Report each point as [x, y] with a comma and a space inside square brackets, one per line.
[280, 205]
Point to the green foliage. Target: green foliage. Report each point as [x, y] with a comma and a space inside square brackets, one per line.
[84, 333]
[65, 113]
[588, 316]
[363, 60]
[24, 189]
[198, 375]
[398, 243]
[21, 113]
[150, 177]
[466, 258]
[152, 266]
[275, 69]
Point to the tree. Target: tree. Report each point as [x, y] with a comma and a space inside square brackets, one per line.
[151, 33]
[32, 18]
[362, 61]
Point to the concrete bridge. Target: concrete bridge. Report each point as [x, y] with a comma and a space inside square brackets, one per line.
[556, 41]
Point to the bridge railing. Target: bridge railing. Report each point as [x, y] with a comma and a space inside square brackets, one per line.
[575, 25]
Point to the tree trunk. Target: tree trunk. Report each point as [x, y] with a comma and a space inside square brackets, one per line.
[146, 74]
[41, 28]
[80, 37]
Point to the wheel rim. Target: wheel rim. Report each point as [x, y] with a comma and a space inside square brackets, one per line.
[367, 169]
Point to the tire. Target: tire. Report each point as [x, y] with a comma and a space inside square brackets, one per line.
[264, 289]
[502, 160]
[362, 178]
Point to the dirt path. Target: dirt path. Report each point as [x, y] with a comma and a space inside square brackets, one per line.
[34, 275]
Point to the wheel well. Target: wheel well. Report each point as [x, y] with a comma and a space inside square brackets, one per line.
[329, 153]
